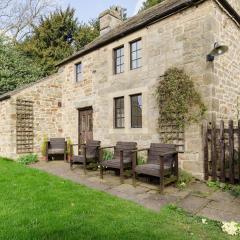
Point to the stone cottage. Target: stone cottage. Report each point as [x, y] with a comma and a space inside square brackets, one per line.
[106, 90]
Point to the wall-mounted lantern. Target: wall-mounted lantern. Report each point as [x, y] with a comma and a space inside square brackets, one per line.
[218, 50]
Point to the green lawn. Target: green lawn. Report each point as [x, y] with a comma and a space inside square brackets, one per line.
[36, 205]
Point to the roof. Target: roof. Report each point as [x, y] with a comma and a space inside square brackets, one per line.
[141, 20]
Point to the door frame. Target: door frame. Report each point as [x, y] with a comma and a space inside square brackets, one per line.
[79, 127]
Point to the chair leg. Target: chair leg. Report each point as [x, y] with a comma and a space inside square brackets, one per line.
[85, 168]
[121, 175]
[101, 171]
[134, 178]
[161, 185]
[71, 165]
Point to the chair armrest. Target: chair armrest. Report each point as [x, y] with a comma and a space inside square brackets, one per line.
[168, 153]
[102, 148]
[82, 144]
[140, 150]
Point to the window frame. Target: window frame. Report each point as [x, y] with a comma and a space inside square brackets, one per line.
[78, 75]
[116, 118]
[136, 51]
[138, 116]
[121, 57]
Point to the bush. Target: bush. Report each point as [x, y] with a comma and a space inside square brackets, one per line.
[107, 155]
[44, 146]
[184, 179]
[28, 159]
[70, 147]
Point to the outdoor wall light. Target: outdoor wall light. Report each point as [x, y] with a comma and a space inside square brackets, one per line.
[218, 50]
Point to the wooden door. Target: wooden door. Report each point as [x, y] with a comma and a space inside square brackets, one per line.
[85, 127]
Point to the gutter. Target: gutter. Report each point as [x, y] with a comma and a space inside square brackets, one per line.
[230, 10]
[5, 97]
[168, 12]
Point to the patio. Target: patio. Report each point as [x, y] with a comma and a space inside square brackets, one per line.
[197, 198]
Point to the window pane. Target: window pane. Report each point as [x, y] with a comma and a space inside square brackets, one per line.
[136, 54]
[136, 111]
[119, 112]
[78, 72]
[118, 60]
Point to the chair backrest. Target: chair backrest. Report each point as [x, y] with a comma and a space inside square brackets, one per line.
[156, 149]
[92, 147]
[57, 143]
[127, 147]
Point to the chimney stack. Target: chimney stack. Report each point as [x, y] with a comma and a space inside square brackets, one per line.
[110, 19]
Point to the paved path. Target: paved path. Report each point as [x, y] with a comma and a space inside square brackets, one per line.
[197, 199]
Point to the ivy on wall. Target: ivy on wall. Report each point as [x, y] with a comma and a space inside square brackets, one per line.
[179, 103]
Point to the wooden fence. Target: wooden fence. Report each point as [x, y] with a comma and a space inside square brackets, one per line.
[222, 152]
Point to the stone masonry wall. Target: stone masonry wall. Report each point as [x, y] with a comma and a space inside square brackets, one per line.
[6, 147]
[226, 69]
[182, 40]
[45, 94]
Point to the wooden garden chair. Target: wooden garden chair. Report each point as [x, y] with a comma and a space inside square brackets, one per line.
[162, 162]
[89, 154]
[122, 158]
[57, 146]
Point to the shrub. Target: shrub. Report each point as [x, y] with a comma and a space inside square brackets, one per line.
[28, 159]
[107, 155]
[44, 146]
[69, 147]
[184, 179]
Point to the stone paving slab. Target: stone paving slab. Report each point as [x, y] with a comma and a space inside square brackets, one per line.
[197, 198]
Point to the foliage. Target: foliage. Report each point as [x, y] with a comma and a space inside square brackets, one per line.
[233, 189]
[184, 179]
[107, 155]
[141, 160]
[28, 159]
[69, 147]
[231, 228]
[44, 146]
[16, 69]
[58, 36]
[150, 3]
[178, 101]
[31, 199]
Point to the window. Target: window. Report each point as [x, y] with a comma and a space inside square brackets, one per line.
[136, 54]
[119, 60]
[119, 112]
[78, 72]
[136, 111]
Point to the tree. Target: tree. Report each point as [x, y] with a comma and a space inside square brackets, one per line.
[18, 17]
[57, 37]
[150, 3]
[16, 69]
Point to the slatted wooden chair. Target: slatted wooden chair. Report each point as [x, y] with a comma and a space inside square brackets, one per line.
[122, 158]
[89, 154]
[57, 146]
[162, 162]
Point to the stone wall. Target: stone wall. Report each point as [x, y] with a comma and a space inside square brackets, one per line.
[6, 146]
[182, 40]
[226, 69]
[46, 95]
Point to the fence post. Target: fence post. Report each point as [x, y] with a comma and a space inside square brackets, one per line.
[214, 151]
[231, 153]
[205, 149]
[222, 151]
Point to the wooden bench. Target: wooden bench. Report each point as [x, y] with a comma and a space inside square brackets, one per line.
[57, 146]
[89, 154]
[162, 162]
[122, 158]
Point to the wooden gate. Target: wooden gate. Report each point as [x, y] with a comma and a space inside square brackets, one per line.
[222, 152]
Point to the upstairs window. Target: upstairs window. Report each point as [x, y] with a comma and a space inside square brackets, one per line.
[136, 54]
[78, 72]
[119, 112]
[136, 111]
[119, 60]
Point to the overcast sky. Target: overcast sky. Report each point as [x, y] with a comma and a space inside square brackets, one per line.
[89, 9]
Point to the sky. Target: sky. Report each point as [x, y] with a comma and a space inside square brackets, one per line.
[89, 9]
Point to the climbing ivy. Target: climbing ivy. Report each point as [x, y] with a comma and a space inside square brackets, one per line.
[178, 101]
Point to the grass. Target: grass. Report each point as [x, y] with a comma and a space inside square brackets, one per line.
[35, 205]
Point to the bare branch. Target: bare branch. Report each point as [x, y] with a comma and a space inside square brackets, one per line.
[18, 17]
